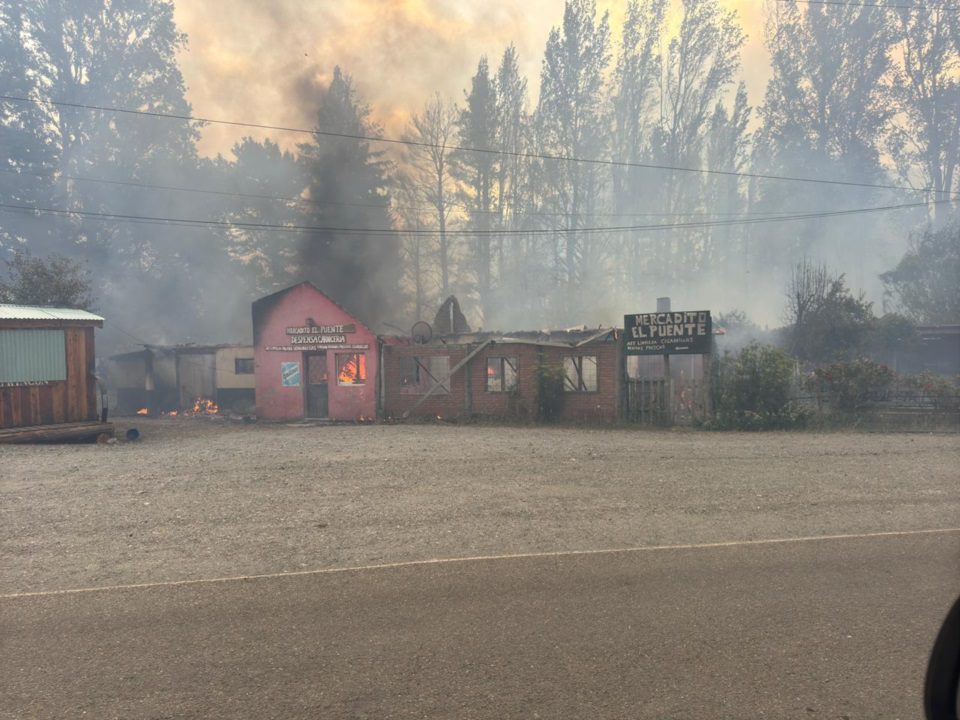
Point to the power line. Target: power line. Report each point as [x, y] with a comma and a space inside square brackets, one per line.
[188, 222]
[460, 148]
[894, 6]
[180, 188]
[311, 201]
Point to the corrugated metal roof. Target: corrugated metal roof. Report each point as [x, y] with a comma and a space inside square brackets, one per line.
[28, 312]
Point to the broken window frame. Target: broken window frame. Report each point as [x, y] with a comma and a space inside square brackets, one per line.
[425, 373]
[502, 362]
[578, 383]
[342, 359]
[243, 366]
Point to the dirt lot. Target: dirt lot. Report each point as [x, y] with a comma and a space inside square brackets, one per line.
[200, 498]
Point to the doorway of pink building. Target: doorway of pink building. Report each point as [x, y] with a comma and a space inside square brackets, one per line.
[318, 405]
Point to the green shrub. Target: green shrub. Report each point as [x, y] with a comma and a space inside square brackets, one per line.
[848, 386]
[550, 392]
[753, 391]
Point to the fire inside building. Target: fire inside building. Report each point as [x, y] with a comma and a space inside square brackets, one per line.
[313, 359]
[175, 379]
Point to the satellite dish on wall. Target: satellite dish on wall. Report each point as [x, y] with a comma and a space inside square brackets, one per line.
[421, 332]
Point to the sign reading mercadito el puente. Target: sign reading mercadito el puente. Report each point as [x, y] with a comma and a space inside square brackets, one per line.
[668, 333]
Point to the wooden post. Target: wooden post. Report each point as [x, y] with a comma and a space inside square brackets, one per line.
[668, 385]
[707, 383]
[149, 381]
[467, 385]
[176, 370]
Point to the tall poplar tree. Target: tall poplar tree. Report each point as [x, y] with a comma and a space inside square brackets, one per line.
[925, 143]
[824, 115]
[477, 173]
[570, 124]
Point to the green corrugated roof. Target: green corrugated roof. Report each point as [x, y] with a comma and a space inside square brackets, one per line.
[28, 312]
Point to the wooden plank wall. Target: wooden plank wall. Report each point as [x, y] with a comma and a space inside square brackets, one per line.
[72, 400]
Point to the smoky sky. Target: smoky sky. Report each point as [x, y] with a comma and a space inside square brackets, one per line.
[250, 60]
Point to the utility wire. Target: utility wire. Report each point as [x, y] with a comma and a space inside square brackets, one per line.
[893, 6]
[310, 201]
[188, 222]
[460, 148]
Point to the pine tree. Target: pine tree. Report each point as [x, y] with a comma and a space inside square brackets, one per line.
[347, 187]
[268, 184]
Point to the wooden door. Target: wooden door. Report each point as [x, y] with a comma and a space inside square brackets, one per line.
[317, 405]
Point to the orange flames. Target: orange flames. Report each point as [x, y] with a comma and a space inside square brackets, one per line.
[354, 370]
[143, 411]
[203, 406]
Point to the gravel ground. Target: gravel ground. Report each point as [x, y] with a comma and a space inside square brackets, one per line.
[200, 498]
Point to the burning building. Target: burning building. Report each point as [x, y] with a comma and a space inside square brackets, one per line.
[168, 379]
[312, 358]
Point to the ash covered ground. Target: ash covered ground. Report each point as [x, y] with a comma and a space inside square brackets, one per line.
[203, 498]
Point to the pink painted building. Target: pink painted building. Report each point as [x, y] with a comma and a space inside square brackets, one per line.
[312, 359]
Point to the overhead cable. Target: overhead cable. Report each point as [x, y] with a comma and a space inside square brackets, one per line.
[460, 148]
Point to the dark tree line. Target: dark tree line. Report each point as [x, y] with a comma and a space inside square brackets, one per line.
[859, 94]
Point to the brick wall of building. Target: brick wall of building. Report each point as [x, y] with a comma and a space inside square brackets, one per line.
[469, 396]
[396, 400]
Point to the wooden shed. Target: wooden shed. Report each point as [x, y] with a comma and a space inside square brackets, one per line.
[48, 389]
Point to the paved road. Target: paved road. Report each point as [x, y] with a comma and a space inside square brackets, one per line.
[834, 628]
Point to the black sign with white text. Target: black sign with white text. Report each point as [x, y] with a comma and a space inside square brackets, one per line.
[668, 333]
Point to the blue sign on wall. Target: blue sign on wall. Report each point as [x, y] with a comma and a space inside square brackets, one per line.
[290, 374]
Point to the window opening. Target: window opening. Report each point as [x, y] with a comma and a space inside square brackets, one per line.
[419, 374]
[580, 373]
[501, 374]
[351, 369]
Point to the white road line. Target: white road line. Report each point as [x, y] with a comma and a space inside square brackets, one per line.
[482, 558]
